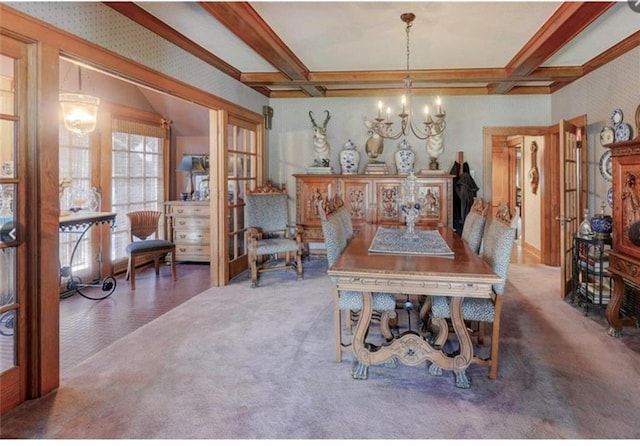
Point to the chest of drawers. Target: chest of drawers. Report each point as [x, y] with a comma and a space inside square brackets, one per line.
[188, 226]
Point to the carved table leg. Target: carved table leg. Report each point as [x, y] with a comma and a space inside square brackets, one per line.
[612, 312]
[360, 370]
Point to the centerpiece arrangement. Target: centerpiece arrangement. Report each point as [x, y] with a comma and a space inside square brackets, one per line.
[411, 202]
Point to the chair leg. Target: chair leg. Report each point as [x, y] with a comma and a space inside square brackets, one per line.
[173, 264]
[156, 264]
[129, 264]
[132, 272]
[337, 325]
[299, 263]
[254, 270]
[495, 339]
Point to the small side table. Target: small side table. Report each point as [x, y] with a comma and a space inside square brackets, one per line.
[79, 224]
[592, 284]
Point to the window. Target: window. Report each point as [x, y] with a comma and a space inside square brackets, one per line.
[75, 184]
[137, 180]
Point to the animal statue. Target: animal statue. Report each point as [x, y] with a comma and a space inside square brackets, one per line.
[375, 144]
[321, 147]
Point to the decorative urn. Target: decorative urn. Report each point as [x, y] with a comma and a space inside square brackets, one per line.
[601, 224]
[349, 158]
[405, 157]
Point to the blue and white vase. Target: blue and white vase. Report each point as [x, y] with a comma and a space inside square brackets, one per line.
[404, 157]
[601, 224]
[349, 158]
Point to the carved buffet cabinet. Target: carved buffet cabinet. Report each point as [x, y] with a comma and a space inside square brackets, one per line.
[624, 259]
[370, 199]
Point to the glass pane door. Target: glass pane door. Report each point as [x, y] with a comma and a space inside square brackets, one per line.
[242, 176]
[12, 219]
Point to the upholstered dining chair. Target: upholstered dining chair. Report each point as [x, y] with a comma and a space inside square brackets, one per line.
[335, 240]
[269, 234]
[142, 226]
[474, 224]
[498, 244]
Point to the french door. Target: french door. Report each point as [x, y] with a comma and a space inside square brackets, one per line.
[244, 172]
[13, 246]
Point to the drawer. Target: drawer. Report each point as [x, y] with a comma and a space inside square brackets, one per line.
[192, 252]
[191, 222]
[185, 236]
[177, 210]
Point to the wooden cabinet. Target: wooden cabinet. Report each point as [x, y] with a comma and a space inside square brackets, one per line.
[370, 199]
[624, 260]
[188, 226]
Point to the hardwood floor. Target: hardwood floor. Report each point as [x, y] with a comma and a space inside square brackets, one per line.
[88, 326]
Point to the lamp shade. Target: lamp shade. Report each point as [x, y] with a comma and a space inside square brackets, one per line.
[80, 112]
[186, 165]
[194, 163]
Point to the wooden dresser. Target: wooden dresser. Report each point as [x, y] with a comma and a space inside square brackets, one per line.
[370, 199]
[188, 226]
[624, 260]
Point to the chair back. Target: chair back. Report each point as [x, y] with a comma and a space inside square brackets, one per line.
[474, 223]
[498, 244]
[143, 224]
[334, 234]
[267, 208]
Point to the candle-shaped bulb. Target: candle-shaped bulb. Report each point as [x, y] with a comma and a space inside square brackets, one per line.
[579, 135]
[426, 113]
[379, 109]
[403, 101]
[439, 104]
[388, 114]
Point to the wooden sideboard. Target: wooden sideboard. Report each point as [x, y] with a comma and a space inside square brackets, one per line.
[370, 199]
[623, 308]
[188, 226]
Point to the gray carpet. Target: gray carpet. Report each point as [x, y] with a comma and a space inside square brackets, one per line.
[237, 362]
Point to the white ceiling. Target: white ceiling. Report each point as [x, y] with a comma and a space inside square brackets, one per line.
[369, 36]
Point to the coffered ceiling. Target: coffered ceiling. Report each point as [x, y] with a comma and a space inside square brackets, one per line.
[342, 49]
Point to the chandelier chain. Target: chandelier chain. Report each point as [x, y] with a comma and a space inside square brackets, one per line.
[433, 125]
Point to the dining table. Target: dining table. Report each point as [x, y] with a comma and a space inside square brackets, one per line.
[458, 273]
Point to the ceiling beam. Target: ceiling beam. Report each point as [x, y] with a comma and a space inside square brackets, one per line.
[631, 42]
[153, 24]
[241, 19]
[487, 75]
[569, 20]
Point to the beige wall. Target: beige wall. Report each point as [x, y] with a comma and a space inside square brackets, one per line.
[614, 85]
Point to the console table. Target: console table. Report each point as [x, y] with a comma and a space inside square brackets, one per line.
[80, 223]
[370, 199]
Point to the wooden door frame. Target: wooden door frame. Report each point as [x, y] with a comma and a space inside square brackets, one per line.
[549, 180]
[544, 189]
[47, 45]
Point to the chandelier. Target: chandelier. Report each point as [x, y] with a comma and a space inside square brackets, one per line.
[431, 126]
[79, 111]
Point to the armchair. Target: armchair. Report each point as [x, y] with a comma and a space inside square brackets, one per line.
[269, 234]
